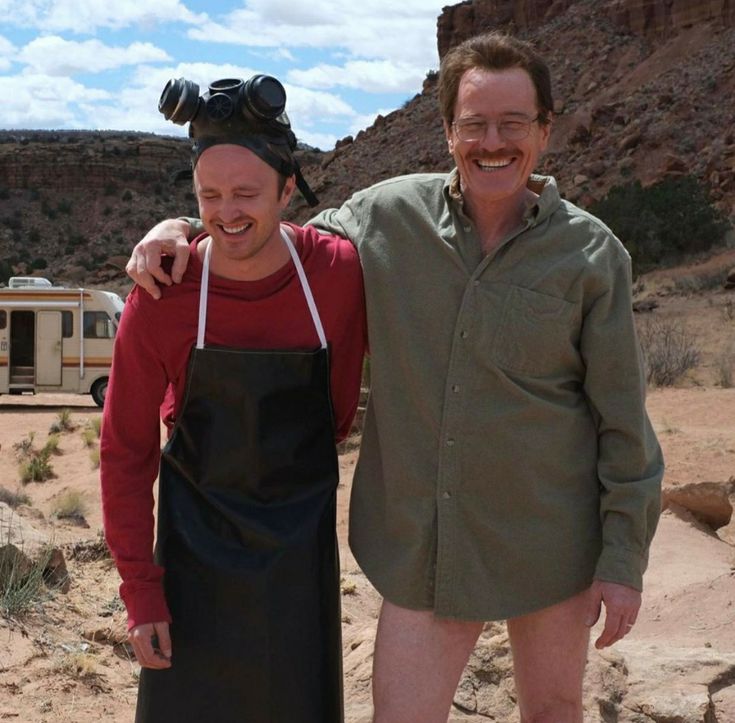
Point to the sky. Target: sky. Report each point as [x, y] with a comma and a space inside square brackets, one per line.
[101, 65]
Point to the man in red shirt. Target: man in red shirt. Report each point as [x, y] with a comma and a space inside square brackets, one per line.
[261, 350]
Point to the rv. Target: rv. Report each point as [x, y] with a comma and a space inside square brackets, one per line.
[54, 339]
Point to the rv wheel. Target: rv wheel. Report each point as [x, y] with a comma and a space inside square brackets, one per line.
[98, 391]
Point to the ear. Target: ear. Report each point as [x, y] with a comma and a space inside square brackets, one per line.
[287, 192]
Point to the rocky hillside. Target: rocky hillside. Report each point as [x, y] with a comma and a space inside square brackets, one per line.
[643, 89]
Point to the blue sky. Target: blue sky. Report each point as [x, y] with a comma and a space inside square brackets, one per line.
[98, 64]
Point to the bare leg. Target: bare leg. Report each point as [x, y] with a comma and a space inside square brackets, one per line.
[418, 661]
[549, 657]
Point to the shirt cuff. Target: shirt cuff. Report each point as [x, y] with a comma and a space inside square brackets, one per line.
[622, 566]
[145, 603]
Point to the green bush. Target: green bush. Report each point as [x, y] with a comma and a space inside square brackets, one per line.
[663, 222]
[37, 468]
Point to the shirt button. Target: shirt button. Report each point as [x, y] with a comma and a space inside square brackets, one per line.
[447, 495]
[450, 442]
[464, 334]
[455, 388]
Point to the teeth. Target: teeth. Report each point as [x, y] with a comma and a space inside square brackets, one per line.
[235, 229]
[494, 164]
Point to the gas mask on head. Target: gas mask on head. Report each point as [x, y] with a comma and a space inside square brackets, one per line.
[246, 113]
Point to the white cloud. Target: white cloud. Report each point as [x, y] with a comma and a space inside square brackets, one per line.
[39, 101]
[7, 51]
[372, 76]
[404, 31]
[86, 16]
[55, 56]
[365, 120]
[136, 105]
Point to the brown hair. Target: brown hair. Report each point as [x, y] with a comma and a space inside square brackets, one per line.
[493, 51]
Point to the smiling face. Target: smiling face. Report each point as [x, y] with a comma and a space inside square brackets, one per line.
[240, 207]
[492, 169]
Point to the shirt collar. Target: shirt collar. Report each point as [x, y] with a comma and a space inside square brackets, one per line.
[545, 186]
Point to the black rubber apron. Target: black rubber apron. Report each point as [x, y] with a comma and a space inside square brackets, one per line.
[246, 535]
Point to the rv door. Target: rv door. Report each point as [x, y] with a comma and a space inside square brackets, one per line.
[48, 348]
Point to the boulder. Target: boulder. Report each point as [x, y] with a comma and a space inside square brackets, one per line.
[709, 502]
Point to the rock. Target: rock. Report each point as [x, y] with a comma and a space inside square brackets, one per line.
[730, 280]
[117, 262]
[674, 164]
[56, 574]
[631, 140]
[487, 687]
[663, 18]
[709, 502]
[596, 168]
[645, 305]
[580, 179]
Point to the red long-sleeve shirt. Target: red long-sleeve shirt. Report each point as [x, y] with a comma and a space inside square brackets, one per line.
[152, 348]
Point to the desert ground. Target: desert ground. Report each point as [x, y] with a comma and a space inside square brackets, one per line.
[66, 659]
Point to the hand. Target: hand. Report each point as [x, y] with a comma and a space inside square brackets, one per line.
[151, 653]
[621, 610]
[144, 267]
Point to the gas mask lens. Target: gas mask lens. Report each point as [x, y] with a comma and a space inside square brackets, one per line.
[179, 101]
[261, 98]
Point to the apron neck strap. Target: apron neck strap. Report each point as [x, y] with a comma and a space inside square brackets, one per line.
[204, 286]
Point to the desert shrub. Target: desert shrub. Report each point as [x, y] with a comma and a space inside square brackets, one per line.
[69, 505]
[89, 437]
[52, 445]
[79, 665]
[703, 282]
[94, 457]
[36, 468]
[95, 424]
[24, 449]
[669, 351]
[21, 582]
[127, 195]
[39, 263]
[662, 222]
[34, 236]
[65, 421]
[725, 363]
[14, 499]
[4, 194]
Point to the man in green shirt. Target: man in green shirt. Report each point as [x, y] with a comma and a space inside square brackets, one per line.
[508, 469]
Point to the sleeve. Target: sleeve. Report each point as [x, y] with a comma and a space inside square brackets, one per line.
[630, 463]
[348, 350]
[129, 460]
[344, 221]
[196, 227]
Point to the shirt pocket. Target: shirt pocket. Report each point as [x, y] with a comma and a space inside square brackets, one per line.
[536, 334]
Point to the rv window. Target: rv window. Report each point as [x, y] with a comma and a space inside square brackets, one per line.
[3, 319]
[98, 325]
[67, 324]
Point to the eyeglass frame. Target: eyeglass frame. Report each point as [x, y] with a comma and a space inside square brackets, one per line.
[540, 117]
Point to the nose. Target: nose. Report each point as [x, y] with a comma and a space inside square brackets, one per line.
[492, 137]
[229, 210]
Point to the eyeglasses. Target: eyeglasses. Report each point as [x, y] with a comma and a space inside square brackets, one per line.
[510, 129]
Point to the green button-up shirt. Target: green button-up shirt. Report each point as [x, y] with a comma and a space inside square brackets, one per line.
[507, 458]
